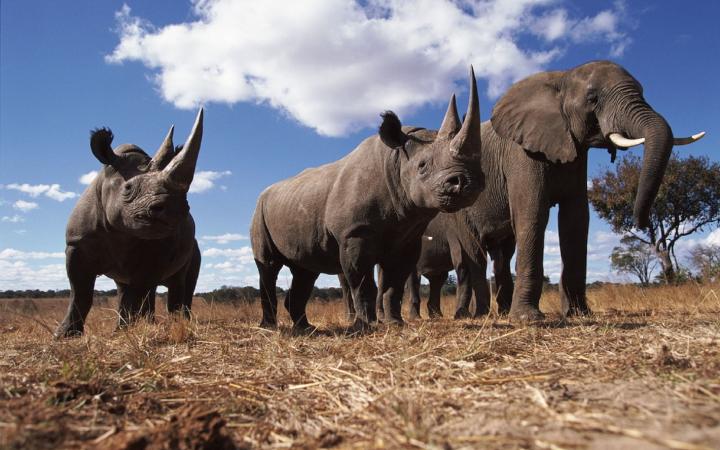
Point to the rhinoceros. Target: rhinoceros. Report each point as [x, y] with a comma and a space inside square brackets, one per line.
[133, 224]
[367, 208]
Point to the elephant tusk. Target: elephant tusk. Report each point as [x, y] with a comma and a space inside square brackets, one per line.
[621, 141]
[688, 140]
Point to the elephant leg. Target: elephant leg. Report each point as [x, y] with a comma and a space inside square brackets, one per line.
[501, 257]
[379, 303]
[357, 258]
[298, 295]
[268, 296]
[573, 222]
[82, 283]
[481, 291]
[347, 298]
[147, 304]
[413, 286]
[129, 302]
[437, 280]
[530, 234]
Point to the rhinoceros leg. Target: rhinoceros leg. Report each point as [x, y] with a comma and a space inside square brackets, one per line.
[82, 283]
[357, 258]
[297, 298]
[481, 290]
[501, 257]
[130, 298]
[191, 277]
[147, 304]
[379, 303]
[437, 280]
[413, 286]
[347, 298]
[268, 297]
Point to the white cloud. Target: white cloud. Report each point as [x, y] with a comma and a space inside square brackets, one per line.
[334, 65]
[15, 218]
[713, 238]
[88, 178]
[225, 238]
[22, 205]
[52, 191]
[243, 254]
[13, 254]
[205, 180]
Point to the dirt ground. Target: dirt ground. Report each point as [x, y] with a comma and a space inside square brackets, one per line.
[643, 372]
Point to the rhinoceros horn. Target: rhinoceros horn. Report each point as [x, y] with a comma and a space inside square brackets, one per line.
[451, 122]
[165, 153]
[182, 168]
[467, 141]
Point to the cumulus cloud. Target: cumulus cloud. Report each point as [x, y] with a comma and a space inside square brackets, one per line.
[15, 218]
[333, 65]
[225, 238]
[205, 180]
[243, 255]
[88, 178]
[52, 191]
[13, 254]
[22, 205]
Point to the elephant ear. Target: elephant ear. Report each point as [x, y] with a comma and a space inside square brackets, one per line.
[531, 114]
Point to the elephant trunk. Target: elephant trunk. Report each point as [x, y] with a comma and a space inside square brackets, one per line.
[658, 136]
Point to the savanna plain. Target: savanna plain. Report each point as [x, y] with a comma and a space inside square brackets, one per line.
[642, 372]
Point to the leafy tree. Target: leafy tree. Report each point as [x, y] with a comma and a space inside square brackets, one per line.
[688, 201]
[705, 259]
[635, 258]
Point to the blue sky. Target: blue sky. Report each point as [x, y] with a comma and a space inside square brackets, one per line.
[288, 86]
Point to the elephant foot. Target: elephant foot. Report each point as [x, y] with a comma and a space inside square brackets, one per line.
[413, 314]
[526, 314]
[462, 313]
[268, 324]
[68, 331]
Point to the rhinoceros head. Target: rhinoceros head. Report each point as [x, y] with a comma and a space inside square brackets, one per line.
[440, 170]
[146, 197]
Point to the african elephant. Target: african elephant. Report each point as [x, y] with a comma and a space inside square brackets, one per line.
[133, 224]
[367, 208]
[535, 156]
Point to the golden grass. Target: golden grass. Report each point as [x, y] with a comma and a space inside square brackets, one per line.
[643, 372]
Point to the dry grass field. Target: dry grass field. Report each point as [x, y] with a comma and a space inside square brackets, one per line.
[643, 372]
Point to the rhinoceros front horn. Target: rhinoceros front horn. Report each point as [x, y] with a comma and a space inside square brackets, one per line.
[165, 153]
[467, 141]
[182, 168]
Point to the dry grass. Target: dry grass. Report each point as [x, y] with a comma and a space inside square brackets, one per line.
[643, 372]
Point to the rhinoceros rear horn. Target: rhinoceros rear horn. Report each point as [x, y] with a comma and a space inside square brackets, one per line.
[451, 123]
[100, 144]
[165, 153]
[467, 141]
[181, 169]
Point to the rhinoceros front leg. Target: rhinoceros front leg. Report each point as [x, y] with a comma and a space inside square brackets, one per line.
[130, 299]
[82, 283]
[357, 258]
[413, 287]
[437, 280]
[191, 277]
[347, 298]
[147, 305]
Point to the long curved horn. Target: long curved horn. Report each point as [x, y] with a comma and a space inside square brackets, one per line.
[467, 141]
[621, 141]
[165, 152]
[688, 140]
[182, 168]
[451, 123]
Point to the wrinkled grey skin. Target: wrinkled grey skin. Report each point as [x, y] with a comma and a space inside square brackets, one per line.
[367, 208]
[535, 156]
[133, 225]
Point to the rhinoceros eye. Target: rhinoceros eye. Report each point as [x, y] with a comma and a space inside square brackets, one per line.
[129, 191]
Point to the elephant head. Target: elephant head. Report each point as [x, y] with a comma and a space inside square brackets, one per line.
[142, 196]
[598, 104]
[439, 170]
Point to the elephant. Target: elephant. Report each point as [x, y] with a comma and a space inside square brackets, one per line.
[133, 224]
[370, 207]
[535, 150]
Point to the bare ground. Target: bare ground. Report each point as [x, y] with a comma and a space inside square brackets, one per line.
[642, 373]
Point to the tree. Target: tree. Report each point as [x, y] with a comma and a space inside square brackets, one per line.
[705, 259]
[635, 258]
[688, 201]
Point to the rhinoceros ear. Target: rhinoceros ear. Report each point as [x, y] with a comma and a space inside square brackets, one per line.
[100, 140]
[391, 130]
